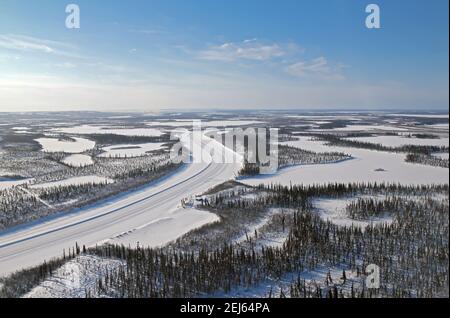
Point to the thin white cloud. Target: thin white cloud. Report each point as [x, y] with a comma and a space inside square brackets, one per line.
[22, 43]
[318, 67]
[278, 55]
[246, 50]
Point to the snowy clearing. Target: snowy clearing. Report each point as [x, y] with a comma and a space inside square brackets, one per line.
[73, 278]
[79, 145]
[333, 210]
[122, 151]
[78, 161]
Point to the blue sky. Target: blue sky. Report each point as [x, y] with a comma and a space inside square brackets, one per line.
[191, 54]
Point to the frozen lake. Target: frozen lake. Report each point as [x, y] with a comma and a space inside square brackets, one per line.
[78, 160]
[128, 151]
[363, 168]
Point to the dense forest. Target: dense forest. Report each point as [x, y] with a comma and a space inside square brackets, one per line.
[427, 160]
[411, 251]
[21, 204]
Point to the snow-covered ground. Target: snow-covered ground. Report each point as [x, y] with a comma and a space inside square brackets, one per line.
[153, 216]
[75, 277]
[397, 141]
[363, 168]
[89, 130]
[333, 210]
[265, 236]
[159, 232]
[78, 160]
[73, 181]
[128, 151]
[258, 225]
[78, 145]
[135, 211]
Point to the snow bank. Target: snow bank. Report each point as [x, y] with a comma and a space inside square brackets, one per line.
[162, 231]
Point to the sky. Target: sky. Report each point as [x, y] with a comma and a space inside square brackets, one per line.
[150, 55]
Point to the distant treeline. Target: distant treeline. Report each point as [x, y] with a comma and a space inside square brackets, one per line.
[333, 140]
[113, 139]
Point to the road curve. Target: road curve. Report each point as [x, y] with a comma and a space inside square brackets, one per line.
[30, 246]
